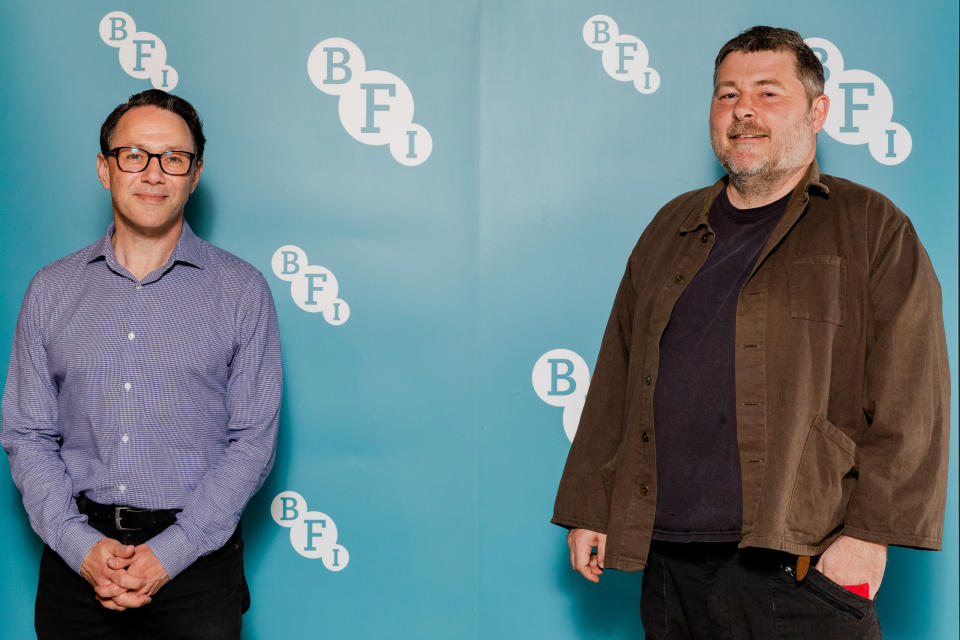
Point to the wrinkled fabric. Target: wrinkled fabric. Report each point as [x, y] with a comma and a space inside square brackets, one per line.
[842, 380]
[162, 393]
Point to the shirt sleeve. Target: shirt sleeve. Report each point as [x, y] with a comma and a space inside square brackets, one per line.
[902, 455]
[31, 437]
[582, 500]
[254, 388]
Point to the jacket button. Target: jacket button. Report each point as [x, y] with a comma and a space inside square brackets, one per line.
[705, 237]
[679, 277]
[646, 379]
[645, 437]
[643, 490]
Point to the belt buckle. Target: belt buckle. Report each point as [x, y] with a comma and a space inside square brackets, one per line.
[117, 513]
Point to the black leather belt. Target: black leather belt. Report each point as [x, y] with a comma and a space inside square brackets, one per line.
[126, 518]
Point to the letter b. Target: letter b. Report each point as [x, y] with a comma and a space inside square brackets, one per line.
[334, 64]
[289, 509]
[291, 264]
[566, 376]
[597, 32]
[560, 376]
[118, 25]
[822, 54]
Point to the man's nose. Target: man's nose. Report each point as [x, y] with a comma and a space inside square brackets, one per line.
[744, 108]
[152, 172]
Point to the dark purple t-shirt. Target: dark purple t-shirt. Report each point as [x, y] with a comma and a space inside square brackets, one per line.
[699, 498]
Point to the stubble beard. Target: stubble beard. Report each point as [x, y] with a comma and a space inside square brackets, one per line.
[760, 177]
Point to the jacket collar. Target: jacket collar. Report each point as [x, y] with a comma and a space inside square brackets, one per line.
[810, 183]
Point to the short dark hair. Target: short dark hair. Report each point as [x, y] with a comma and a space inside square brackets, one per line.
[761, 38]
[161, 100]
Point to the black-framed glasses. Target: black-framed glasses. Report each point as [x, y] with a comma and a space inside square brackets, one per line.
[135, 160]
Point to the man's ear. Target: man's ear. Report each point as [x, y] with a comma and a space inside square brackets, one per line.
[196, 175]
[103, 171]
[820, 107]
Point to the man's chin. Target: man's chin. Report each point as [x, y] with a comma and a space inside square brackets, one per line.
[152, 225]
[744, 170]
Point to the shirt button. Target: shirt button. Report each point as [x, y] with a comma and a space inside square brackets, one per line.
[679, 277]
[131, 336]
[647, 379]
[126, 438]
[643, 490]
[643, 436]
[139, 286]
[122, 488]
[126, 386]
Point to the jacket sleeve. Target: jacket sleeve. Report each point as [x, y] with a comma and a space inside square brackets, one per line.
[902, 455]
[31, 437]
[582, 500]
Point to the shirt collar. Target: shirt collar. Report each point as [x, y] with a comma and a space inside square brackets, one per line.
[810, 183]
[188, 249]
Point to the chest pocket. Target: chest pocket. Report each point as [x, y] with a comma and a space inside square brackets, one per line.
[818, 288]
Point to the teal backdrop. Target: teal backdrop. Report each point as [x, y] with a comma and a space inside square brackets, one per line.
[414, 424]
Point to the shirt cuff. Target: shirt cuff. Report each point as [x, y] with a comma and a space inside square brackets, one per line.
[174, 551]
[76, 542]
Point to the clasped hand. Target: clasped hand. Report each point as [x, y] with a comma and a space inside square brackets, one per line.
[123, 576]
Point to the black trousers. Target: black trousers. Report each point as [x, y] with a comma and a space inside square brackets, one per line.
[204, 602]
[715, 591]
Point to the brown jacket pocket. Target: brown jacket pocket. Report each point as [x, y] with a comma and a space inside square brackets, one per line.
[608, 473]
[825, 481]
[818, 288]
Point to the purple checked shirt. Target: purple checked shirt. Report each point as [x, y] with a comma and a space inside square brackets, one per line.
[164, 392]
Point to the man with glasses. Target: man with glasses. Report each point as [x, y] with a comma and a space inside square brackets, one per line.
[142, 400]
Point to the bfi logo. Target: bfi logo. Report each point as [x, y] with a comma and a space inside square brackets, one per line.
[142, 54]
[314, 288]
[560, 378]
[861, 107]
[313, 534]
[624, 57]
[375, 107]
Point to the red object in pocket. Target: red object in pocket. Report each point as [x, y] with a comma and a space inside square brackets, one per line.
[862, 590]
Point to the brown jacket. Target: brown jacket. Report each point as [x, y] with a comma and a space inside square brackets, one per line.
[841, 380]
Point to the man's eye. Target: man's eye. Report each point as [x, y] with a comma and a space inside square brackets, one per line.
[174, 160]
[133, 155]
